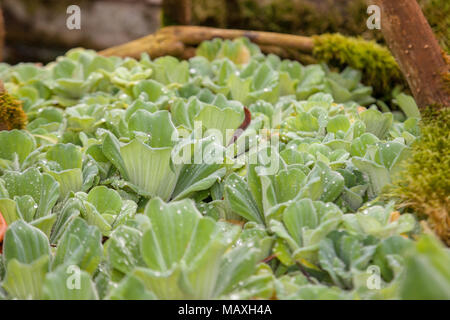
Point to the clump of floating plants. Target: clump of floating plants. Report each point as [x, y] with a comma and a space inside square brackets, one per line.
[233, 175]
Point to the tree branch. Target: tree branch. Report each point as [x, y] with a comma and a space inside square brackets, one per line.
[413, 44]
[175, 40]
[2, 34]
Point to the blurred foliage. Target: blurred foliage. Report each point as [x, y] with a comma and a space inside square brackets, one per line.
[308, 17]
[438, 15]
[304, 17]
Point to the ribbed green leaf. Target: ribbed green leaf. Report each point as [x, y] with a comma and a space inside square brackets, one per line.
[69, 284]
[25, 281]
[80, 245]
[24, 243]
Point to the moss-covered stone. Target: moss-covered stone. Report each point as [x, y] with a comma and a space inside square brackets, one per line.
[424, 183]
[12, 115]
[380, 70]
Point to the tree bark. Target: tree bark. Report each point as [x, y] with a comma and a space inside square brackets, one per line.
[2, 34]
[178, 11]
[413, 44]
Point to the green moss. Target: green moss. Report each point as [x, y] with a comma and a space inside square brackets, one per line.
[380, 70]
[12, 115]
[424, 183]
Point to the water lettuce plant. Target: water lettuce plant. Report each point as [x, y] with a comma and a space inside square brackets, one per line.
[232, 175]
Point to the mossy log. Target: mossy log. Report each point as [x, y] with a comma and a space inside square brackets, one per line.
[412, 42]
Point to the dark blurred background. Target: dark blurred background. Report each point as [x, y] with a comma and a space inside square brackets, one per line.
[36, 29]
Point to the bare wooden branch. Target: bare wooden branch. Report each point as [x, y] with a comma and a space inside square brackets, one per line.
[179, 40]
[195, 35]
[412, 42]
